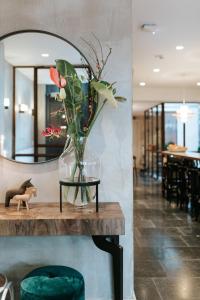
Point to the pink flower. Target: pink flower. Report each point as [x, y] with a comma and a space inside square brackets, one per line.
[51, 132]
[63, 82]
[47, 132]
[56, 78]
[57, 131]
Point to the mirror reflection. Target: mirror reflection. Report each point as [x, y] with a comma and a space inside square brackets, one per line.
[28, 96]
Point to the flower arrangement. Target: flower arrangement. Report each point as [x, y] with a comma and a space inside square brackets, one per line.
[52, 132]
[81, 108]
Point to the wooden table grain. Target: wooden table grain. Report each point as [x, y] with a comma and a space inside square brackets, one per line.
[46, 219]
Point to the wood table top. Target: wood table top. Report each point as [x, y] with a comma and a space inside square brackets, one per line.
[44, 219]
[187, 155]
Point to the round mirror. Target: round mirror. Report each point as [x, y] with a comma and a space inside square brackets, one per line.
[28, 97]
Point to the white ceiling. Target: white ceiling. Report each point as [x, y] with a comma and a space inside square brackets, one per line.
[178, 22]
[26, 48]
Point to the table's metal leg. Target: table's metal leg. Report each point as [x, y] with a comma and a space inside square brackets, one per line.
[60, 198]
[111, 245]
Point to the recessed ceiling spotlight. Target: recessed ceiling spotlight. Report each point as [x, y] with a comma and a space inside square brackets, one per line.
[156, 70]
[142, 83]
[45, 54]
[198, 83]
[179, 47]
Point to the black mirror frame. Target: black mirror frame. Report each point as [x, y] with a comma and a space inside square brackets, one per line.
[59, 37]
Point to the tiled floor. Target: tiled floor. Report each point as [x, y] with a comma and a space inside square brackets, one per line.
[167, 248]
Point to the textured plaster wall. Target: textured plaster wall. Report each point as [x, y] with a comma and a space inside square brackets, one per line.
[111, 139]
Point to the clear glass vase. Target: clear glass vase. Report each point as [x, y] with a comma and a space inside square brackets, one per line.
[78, 164]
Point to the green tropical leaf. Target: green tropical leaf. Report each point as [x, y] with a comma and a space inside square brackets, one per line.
[106, 83]
[73, 88]
[65, 68]
[97, 85]
[120, 98]
[104, 91]
[71, 128]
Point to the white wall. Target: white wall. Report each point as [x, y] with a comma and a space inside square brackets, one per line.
[24, 121]
[5, 114]
[111, 139]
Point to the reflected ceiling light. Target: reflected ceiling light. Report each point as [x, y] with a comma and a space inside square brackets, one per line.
[179, 47]
[6, 103]
[198, 83]
[183, 113]
[45, 54]
[156, 70]
[142, 83]
[23, 108]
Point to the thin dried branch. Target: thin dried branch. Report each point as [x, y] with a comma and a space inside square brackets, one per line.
[105, 62]
[100, 46]
[91, 46]
[100, 62]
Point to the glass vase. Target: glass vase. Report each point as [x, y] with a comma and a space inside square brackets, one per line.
[79, 165]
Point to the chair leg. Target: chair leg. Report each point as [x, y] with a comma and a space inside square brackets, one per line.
[135, 173]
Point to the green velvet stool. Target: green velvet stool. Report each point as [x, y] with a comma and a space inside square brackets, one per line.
[53, 283]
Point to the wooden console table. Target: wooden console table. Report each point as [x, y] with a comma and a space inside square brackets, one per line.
[45, 219]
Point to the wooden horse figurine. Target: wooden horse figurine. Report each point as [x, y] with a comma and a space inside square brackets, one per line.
[30, 191]
[20, 191]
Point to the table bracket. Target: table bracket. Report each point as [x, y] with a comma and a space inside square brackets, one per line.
[110, 244]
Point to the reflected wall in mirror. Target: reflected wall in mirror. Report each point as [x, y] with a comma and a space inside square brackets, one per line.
[27, 95]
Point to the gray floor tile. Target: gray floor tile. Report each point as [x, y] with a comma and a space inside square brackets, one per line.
[167, 248]
[149, 268]
[182, 288]
[146, 289]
